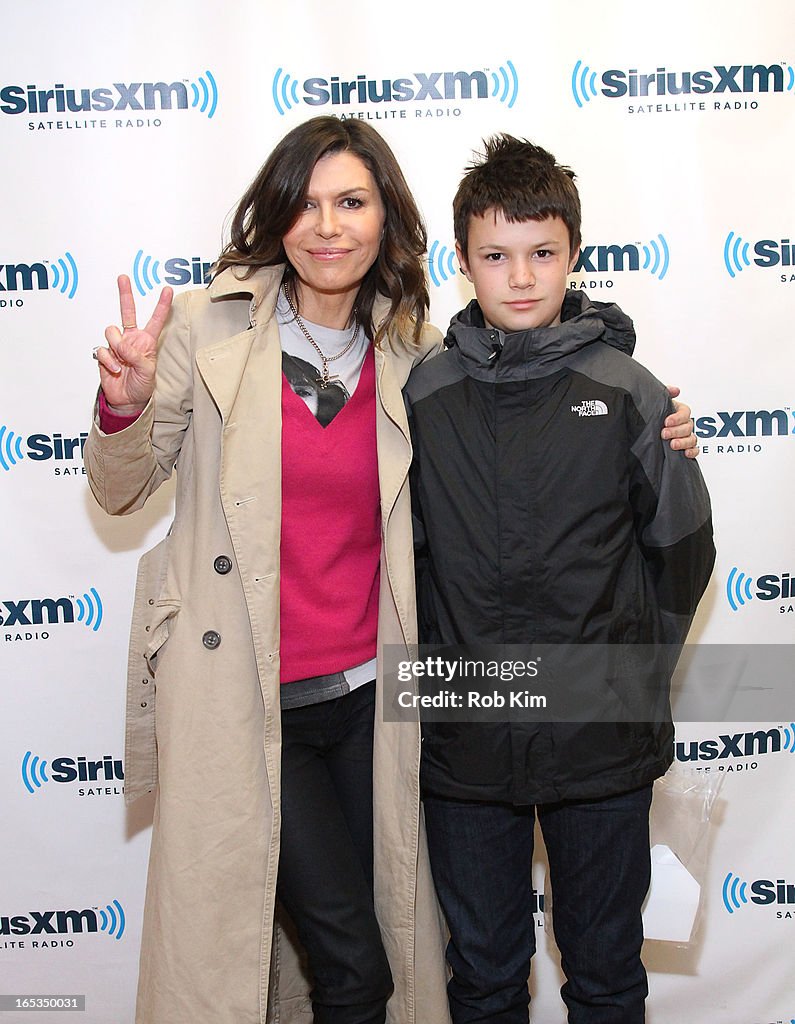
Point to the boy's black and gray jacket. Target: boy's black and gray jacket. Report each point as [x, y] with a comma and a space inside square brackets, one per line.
[549, 510]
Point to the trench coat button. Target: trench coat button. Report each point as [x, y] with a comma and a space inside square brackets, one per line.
[211, 639]
[223, 564]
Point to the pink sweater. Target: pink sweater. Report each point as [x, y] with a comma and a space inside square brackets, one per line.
[331, 531]
[331, 534]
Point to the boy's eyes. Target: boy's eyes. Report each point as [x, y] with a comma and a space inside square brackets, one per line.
[539, 254]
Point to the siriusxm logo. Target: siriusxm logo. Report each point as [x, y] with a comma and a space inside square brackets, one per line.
[740, 744]
[653, 257]
[38, 447]
[767, 253]
[68, 769]
[770, 587]
[58, 274]
[441, 263]
[587, 84]
[53, 610]
[419, 87]
[109, 919]
[746, 423]
[764, 892]
[176, 271]
[29, 99]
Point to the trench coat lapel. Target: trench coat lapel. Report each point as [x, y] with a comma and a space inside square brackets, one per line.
[394, 460]
[243, 375]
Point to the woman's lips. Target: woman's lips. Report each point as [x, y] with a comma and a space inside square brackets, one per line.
[328, 254]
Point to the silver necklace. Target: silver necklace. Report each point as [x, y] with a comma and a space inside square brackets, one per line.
[326, 379]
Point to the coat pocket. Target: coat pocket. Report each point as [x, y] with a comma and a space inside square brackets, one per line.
[153, 613]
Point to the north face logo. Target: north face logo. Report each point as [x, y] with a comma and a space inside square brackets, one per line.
[590, 407]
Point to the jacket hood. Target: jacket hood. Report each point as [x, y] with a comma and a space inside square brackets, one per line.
[582, 322]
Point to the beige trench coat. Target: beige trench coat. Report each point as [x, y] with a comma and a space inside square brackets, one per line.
[208, 642]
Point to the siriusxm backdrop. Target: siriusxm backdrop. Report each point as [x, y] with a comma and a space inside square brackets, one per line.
[128, 133]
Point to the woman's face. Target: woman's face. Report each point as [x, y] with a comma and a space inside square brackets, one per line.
[336, 238]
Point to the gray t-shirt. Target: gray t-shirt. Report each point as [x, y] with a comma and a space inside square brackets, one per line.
[302, 364]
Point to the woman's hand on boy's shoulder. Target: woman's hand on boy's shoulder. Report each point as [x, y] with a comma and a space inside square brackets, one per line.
[678, 427]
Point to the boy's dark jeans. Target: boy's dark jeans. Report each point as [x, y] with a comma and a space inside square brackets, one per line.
[599, 863]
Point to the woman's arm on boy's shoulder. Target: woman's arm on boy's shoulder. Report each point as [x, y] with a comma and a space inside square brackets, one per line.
[678, 427]
[673, 522]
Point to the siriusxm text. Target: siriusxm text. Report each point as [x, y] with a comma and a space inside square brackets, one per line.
[736, 78]
[19, 99]
[420, 87]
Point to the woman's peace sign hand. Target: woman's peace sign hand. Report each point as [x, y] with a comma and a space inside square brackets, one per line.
[127, 365]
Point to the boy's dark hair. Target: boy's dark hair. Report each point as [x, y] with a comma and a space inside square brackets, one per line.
[520, 180]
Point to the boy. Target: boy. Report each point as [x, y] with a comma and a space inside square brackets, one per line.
[548, 511]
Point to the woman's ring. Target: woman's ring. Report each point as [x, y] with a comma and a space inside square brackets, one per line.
[129, 327]
[94, 352]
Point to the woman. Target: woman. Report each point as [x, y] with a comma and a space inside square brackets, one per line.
[288, 565]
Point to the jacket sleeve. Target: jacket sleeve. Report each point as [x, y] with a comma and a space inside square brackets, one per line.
[124, 468]
[673, 520]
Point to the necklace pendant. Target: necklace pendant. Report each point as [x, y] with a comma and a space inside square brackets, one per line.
[327, 379]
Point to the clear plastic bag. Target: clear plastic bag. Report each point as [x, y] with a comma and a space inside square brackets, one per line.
[679, 826]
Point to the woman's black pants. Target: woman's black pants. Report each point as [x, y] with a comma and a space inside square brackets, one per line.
[326, 860]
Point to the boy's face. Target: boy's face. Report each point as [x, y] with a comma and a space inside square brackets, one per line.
[519, 270]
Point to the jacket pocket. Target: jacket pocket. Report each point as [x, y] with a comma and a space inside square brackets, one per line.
[153, 612]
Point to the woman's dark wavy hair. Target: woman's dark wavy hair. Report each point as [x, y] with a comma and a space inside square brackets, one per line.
[274, 199]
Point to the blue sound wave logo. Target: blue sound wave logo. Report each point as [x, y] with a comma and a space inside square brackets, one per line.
[10, 448]
[735, 254]
[656, 257]
[149, 272]
[284, 91]
[738, 589]
[146, 272]
[460, 86]
[441, 263]
[64, 275]
[789, 737]
[205, 94]
[506, 84]
[89, 609]
[112, 920]
[40, 447]
[61, 275]
[674, 85]
[49, 611]
[34, 772]
[734, 892]
[104, 772]
[653, 257]
[583, 84]
[109, 919]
